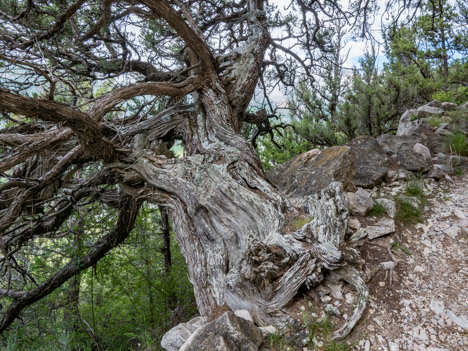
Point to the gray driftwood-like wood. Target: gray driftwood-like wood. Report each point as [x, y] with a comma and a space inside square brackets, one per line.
[231, 224]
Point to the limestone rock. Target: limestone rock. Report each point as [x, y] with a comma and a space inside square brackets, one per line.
[310, 172]
[409, 122]
[371, 161]
[392, 144]
[354, 223]
[383, 227]
[430, 111]
[423, 151]
[389, 206]
[388, 265]
[412, 161]
[448, 106]
[244, 314]
[463, 107]
[227, 333]
[360, 202]
[177, 336]
[439, 171]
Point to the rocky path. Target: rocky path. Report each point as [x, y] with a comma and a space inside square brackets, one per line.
[422, 304]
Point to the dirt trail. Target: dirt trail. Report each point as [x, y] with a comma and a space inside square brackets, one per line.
[426, 305]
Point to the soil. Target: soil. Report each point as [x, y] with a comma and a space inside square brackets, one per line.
[422, 304]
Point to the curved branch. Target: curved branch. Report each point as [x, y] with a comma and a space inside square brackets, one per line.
[111, 99]
[87, 129]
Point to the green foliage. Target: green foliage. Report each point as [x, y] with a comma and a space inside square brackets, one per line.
[458, 95]
[278, 342]
[396, 246]
[407, 213]
[322, 329]
[128, 299]
[416, 189]
[457, 142]
[285, 145]
[435, 121]
[378, 211]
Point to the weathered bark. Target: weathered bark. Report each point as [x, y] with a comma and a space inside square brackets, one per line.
[229, 220]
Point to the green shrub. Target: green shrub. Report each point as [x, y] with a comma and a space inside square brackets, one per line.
[457, 143]
[457, 95]
[435, 121]
[407, 213]
[378, 211]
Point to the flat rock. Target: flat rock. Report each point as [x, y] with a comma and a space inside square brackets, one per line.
[226, 333]
[371, 161]
[430, 111]
[383, 227]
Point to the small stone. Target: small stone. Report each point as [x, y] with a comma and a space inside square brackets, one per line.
[461, 321]
[244, 314]
[269, 329]
[452, 231]
[383, 227]
[360, 202]
[419, 269]
[382, 283]
[459, 214]
[349, 298]
[354, 223]
[386, 266]
[371, 328]
[332, 309]
[393, 347]
[367, 346]
[437, 306]
[423, 151]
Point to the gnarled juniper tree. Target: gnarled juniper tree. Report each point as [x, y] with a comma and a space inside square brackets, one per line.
[93, 92]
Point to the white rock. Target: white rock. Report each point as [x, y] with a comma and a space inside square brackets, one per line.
[393, 347]
[459, 214]
[453, 231]
[367, 346]
[419, 269]
[437, 306]
[332, 309]
[423, 151]
[386, 266]
[244, 314]
[461, 321]
[383, 227]
[269, 329]
[354, 223]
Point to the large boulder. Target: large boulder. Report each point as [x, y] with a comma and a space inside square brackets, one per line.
[313, 171]
[408, 151]
[371, 161]
[226, 333]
